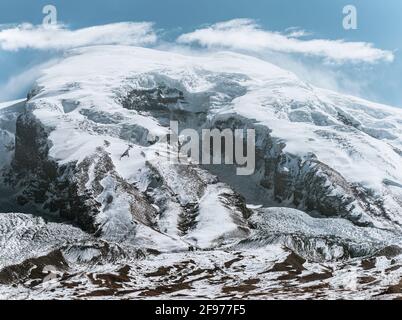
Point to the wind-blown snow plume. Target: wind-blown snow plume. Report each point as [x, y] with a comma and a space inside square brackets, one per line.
[246, 34]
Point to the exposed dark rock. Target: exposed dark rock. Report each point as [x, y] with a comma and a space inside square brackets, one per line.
[305, 184]
[389, 252]
[33, 269]
[292, 264]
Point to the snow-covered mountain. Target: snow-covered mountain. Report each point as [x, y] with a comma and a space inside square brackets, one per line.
[85, 149]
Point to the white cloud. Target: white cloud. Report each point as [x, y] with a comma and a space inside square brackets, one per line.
[28, 36]
[295, 32]
[245, 34]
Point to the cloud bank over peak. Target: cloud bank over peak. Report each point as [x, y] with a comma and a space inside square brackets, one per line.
[237, 34]
[246, 34]
[243, 35]
[59, 37]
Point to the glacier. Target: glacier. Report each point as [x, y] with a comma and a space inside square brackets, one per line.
[86, 188]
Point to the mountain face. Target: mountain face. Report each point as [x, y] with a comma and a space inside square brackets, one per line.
[83, 161]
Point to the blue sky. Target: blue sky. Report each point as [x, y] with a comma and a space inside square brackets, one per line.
[379, 22]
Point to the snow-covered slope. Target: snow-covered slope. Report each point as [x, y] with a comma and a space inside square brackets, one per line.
[88, 150]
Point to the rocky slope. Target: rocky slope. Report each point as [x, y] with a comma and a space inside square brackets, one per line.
[42, 260]
[86, 148]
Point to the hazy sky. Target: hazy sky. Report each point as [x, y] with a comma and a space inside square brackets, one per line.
[379, 23]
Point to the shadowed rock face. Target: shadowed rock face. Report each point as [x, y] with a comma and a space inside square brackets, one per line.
[31, 146]
[288, 180]
[39, 182]
[63, 190]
